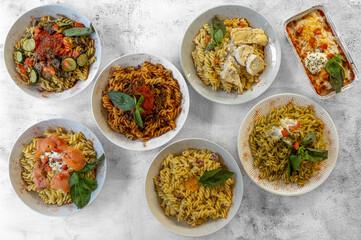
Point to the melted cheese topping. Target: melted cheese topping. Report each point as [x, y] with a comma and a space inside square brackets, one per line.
[310, 34]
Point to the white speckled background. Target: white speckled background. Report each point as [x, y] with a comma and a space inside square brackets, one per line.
[333, 211]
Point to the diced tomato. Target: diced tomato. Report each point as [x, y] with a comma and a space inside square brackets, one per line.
[58, 159]
[317, 31]
[57, 150]
[296, 145]
[64, 167]
[330, 55]
[50, 70]
[285, 133]
[216, 60]
[324, 45]
[241, 25]
[294, 128]
[66, 63]
[19, 65]
[56, 27]
[36, 30]
[299, 30]
[79, 24]
[313, 42]
[29, 62]
[42, 63]
[76, 54]
[23, 70]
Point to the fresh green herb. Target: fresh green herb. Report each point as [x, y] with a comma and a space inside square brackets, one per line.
[90, 166]
[214, 177]
[126, 103]
[78, 31]
[218, 32]
[309, 138]
[81, 186]
[336, 71]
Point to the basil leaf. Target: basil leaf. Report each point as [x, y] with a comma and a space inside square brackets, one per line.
[138, 118]
[121, 100]
[210, 46]
[217, 25]
[141, 110]
[78, 31]
[74, 179]
[79, 195]
[294, 161]
[309, 138]
[332, 67]
[317, 153]
[339, 58]
[91, 183]
[336, 83]
[141, 100]
[90, 166]
[84, 185]
[218, 36]
[214, 177]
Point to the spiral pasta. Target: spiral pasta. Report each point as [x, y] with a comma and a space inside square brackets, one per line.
[271, 155]
[50, 195]
[193, 207]
[71, 46]
[167, 101]
[209, 64]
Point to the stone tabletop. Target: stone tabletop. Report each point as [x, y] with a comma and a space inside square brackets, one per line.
[332, 211]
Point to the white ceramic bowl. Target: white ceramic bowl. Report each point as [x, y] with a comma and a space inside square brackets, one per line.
[31, 199]
[272, 54]
[263, 108]
[171, 223]
[18, 29]
[100, 113]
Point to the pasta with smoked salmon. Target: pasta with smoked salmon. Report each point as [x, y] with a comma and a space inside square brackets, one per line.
[161, 105]
[48, 163]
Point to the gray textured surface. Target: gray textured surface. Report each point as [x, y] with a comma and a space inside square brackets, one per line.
[330, 212]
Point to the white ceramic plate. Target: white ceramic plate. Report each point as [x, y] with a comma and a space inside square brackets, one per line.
[171, 223]
[18, 29]
[245, 154]
[31, 199]
[272, 54]
[100, 113]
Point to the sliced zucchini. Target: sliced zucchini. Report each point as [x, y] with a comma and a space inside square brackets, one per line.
[82, 59]
[20, 56]
[34, 76]
[29, 44]
[63, 25]
[68, 64]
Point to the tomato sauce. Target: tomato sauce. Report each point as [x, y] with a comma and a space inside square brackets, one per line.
[146, 92]
[48, 46]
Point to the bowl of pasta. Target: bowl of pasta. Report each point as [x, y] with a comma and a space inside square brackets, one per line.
[52, 52]
[194, 187]
[230, 54]
[57, 167]
[288, 144]
[140, 101]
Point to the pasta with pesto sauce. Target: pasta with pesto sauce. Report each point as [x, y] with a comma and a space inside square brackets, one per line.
[271, 149]
[195, 207]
